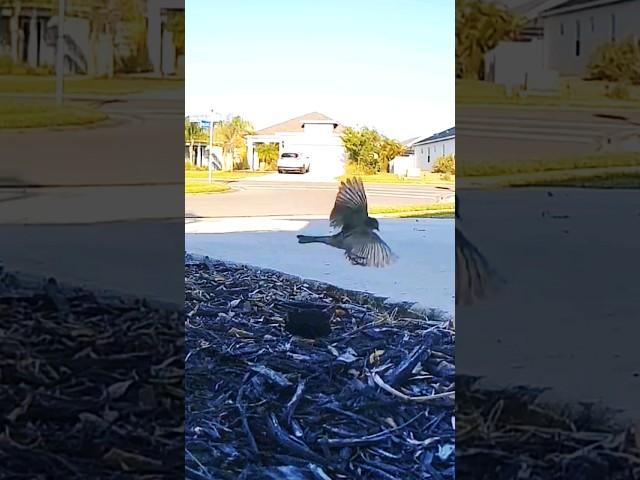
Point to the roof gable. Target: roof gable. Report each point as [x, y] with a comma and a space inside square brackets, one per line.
[296, 125]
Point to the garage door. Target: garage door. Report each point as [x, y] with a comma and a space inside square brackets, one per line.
[326, 160]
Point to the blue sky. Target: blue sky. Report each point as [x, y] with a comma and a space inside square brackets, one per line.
[387, 64]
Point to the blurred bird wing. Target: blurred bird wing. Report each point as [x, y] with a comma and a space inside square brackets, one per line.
[475, 279]
[364, 247]
[351, 204]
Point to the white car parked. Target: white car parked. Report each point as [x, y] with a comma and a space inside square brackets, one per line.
[293, 162]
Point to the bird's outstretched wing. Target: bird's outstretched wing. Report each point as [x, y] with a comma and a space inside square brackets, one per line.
[365, 248]
[351, 208]
[475, 279]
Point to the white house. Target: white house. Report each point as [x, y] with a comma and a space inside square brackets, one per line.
[521, 63]
[422, 152]
[312, 133]
[574, 29]
[428, 150]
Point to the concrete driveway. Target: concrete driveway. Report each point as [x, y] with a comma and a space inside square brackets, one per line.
[310, 177]
[567, 317]
[424, 272]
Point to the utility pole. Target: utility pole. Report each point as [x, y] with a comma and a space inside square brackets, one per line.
[60, 54]
[210, 146]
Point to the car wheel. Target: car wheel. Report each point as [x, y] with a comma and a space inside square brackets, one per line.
[279, 170]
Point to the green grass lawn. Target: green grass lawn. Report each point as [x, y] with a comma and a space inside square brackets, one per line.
[14, 114]
[573, 92]
[200, 187]
[602, 179]
[40, 84]
[611, 180]
[431, 210]
[426, 178]
[483, 169]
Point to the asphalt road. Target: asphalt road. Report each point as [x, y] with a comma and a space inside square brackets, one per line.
[509, 134]
[128, 149]
[121, 169]
[120, 172]
[290, 197]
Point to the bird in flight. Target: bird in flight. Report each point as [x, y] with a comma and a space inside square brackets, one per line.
[361, 245]
[475, 278]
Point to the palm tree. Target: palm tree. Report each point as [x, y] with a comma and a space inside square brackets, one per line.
[192, 132]
[14, 30]
[230, 135]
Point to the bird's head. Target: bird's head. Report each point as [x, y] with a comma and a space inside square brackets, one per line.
[372, 223]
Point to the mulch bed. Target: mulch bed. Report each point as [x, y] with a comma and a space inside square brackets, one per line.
[90, 386]
[510, 434]
[287, 379]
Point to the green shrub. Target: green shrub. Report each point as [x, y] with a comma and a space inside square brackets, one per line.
[616, 62]
[445, 164]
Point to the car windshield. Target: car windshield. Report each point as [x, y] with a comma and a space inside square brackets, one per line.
[289, 155]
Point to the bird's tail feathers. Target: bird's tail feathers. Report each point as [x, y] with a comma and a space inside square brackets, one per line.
[314, 239]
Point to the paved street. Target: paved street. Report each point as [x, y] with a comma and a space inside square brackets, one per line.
[582, 317]
[127, 150]
[120, 172]
[290, 197]
[424, 272]
[494, 133]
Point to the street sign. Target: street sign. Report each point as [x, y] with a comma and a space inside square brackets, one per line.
[205, 124]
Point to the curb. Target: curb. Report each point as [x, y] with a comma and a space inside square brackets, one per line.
[432, 314]
[34, 281]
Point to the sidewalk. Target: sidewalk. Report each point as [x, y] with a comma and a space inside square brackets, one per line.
[86, 205]
[424, 272]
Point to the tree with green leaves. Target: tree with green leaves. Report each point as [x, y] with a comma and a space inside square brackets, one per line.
[368, 151]
[268, 155]
[175, 25]
[480, 26]
[362, 149]
[230, 135]
[389, 149]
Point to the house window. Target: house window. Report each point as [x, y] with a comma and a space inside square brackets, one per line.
[593, 24]
[613, 27]
[577, 38]
[443, 149]
[561, 28]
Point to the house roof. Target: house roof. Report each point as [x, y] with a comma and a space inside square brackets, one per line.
[448, 133]
[574, 5]
[296, 124]
[409, 141]
[533, 8]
